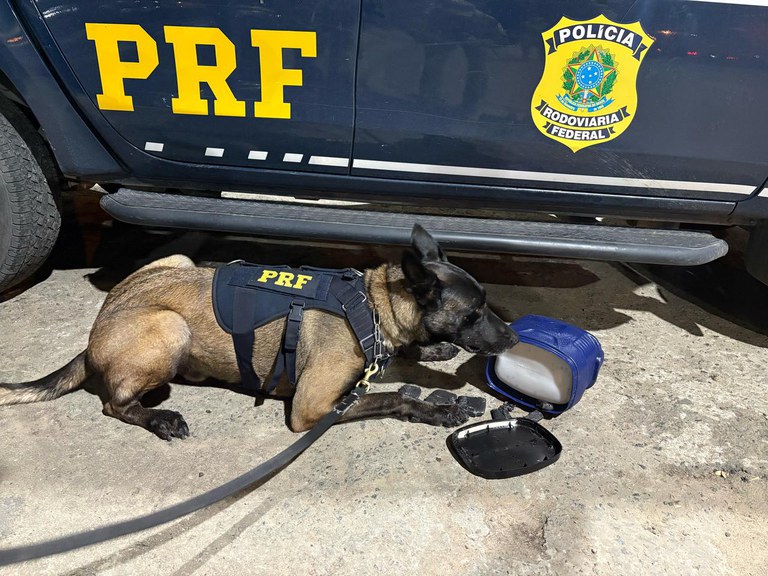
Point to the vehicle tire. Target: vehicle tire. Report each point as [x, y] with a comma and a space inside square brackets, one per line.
[29, 217]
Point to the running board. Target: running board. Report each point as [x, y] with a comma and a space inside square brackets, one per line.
[554, 239]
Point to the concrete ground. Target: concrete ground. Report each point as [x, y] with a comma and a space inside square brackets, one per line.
[663, 469]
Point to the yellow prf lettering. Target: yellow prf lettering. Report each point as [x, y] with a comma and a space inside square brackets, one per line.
[301, 279]
[190, 74]
[114, 71]
[273, 76]
[284, 279]
[267, 275]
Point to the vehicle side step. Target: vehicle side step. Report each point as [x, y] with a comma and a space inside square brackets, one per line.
[556, 239]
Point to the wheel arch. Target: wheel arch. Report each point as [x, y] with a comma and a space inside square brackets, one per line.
[28, 81]
[21, 117]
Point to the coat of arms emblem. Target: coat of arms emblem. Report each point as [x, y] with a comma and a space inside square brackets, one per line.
[587, 94]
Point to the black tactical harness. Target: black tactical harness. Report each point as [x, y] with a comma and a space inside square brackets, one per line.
[248, 296]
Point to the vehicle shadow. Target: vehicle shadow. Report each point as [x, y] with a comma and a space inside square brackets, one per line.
[722, 288]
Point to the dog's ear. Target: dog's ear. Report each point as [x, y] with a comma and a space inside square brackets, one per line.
[425, 246]
[422, 282]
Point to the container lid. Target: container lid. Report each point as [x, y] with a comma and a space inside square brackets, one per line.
[504, 448]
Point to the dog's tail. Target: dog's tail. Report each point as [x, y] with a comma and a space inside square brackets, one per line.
[65, 379]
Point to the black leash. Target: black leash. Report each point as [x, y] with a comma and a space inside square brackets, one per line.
[274, 464]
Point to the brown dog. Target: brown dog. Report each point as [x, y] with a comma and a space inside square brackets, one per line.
[158, 324]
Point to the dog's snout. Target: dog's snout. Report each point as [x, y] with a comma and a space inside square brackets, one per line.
[509, 336]
[504, 335]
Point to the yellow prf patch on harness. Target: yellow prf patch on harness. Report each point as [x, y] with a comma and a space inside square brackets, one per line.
[587, 94]
[287, 279]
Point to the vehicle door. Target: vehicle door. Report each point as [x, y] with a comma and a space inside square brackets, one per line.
[644, 97]
[264, 84]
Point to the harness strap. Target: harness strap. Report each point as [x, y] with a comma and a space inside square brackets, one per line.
[291, 342]
[355, 306]
[243, 336]
[286, 357]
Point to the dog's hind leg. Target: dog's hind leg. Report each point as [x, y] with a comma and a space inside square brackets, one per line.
[166, 424]
[135, 354]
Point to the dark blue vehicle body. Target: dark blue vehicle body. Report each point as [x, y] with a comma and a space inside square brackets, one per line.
[421, 101]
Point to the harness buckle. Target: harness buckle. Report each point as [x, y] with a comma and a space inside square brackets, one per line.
[292, 326]
[354, 301]
[352, 273]
[365, 346]
[296, 313]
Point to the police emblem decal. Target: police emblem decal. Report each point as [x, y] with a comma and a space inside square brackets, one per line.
[587, 93]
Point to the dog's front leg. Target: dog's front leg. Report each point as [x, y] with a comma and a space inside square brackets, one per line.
[322, 384]
[431, 352]
[395, 405]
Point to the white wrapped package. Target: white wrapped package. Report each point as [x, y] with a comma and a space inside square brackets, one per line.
[536, 373]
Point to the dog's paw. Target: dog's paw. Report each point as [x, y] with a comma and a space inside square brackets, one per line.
[168, 424]
[455, 415]
[453, 410]
[439, 352]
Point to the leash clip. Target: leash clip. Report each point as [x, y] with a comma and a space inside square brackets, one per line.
[362, 387]
[364, 382]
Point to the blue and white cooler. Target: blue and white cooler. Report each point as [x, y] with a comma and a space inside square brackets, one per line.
[547, 371]
[550, 368]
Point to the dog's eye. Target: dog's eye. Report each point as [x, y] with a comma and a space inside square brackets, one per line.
[471, 318]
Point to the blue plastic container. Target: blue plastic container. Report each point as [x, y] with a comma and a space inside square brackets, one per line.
[552, 356]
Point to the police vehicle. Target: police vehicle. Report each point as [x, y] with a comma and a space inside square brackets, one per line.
[649, 110]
